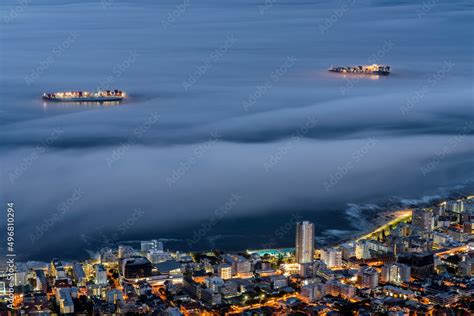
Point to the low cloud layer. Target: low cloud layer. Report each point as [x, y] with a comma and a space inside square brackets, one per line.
[262, 120]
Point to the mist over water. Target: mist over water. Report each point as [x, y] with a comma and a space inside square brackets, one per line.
[234, 127]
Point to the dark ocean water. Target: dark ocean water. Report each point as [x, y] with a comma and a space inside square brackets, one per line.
[233, 129]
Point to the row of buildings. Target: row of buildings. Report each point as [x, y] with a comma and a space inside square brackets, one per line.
[420, 261]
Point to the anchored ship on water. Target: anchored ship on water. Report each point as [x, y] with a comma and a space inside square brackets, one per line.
[85, 96]
[367, 69]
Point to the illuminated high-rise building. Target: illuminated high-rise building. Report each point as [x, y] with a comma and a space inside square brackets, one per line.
[456, 206]
[304, 242]
[422, 219]
[362, 250]
[368, 278]
[225, 271]
[154, 244]
[396, 273]
[146, 246]
[100, 274]
[332, 257]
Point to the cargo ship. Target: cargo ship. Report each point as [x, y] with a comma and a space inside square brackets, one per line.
[367, 69]
[85, 96]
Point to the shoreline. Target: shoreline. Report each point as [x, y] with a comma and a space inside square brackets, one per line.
[374, 223]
